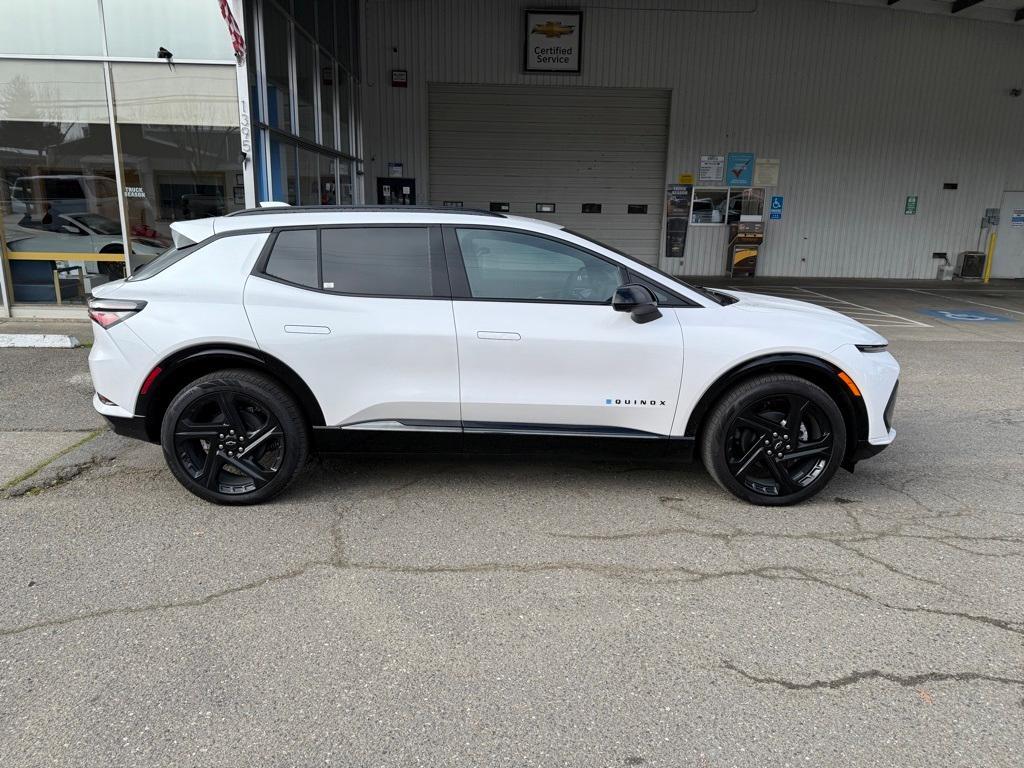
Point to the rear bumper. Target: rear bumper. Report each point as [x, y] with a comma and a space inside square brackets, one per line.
[129, 426]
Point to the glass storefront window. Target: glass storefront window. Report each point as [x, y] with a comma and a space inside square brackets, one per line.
[190, 29]
[281, 165]
[328, 184]
[345, 191]
[279, 104]
[305, 15]
[327, 72]
[325, 24]
[344, 17]
[344, 106]
[305, 84]
[66, 27]
[180, 148]
[60, 208]
[309, 178]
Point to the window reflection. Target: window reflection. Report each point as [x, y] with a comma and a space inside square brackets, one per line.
[709, 206]
[68, 27]
[180, 148]
[59, 205]
[190, 29]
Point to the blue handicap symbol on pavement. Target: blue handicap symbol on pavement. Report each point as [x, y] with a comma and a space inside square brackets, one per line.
[966, 315]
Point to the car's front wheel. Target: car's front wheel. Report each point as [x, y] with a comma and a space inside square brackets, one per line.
[774, 440]
[234, 437]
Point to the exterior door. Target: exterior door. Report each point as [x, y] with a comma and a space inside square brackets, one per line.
[540, 347]
[1008, 259]
[363, 315]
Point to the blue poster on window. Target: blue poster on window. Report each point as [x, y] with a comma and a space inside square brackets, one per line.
[739, 169]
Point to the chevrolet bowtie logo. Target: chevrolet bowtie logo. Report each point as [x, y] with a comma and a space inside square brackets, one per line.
[553, 29]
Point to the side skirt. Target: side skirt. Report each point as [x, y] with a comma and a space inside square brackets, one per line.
[508, 440]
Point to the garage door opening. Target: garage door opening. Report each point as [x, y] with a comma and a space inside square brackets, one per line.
[591, 159]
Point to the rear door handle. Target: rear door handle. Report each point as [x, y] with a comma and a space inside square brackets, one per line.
[498, 335]
[316, 329]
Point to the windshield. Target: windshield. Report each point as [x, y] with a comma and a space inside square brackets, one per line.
[709, 295]
[101, 225]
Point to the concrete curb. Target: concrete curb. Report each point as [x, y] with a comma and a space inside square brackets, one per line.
[38, 340]
[101, 447]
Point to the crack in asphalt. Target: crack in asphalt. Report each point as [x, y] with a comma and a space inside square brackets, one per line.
[907, 681]
[338, 561]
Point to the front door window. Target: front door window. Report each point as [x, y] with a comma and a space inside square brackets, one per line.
[516, 266]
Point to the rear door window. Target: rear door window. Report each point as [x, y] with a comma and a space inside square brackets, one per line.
[377, 261]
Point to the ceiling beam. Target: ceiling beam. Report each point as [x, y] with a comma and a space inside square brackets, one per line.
[1019, 15]
[963, 5]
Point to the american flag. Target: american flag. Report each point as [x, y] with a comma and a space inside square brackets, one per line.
[237, 41]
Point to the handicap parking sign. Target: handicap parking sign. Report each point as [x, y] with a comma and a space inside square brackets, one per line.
[966, 316]
[776, 208]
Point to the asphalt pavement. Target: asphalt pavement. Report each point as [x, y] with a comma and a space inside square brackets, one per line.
[481, 611]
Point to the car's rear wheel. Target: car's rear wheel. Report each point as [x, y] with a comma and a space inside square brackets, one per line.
[234, 437]
[774, 440]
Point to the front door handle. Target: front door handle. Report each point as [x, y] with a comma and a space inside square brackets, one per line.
[498, 335]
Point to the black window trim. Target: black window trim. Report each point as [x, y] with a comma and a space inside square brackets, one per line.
[460, 280]
[439, 280]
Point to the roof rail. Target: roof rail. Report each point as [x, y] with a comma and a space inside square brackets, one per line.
[364, 208]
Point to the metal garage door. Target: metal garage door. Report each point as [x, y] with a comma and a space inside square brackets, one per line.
[569, 146]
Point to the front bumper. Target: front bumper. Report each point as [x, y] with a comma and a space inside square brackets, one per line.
[867, 448]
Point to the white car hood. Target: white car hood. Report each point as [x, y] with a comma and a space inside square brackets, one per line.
[802, 311]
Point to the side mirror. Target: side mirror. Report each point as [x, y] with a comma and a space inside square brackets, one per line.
[638, 301]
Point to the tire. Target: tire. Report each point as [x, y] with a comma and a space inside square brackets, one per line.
[746, 434]
[251, 465]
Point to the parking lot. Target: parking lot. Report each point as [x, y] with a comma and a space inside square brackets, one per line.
[482, 611]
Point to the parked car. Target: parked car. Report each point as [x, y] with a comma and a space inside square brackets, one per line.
[268, 333]
[84, 233]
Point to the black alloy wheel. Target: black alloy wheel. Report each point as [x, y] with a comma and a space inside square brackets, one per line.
[234, 437]
[229, 442]
[774, 440]
[779, 445]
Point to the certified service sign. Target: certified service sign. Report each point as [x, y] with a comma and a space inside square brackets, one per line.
[553, 41]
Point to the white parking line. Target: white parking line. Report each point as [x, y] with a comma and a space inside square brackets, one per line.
[867, 315]
[965, 301]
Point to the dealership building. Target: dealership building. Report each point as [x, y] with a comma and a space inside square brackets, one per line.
[785, 138]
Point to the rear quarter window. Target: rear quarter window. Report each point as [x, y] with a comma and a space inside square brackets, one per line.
[293, 258]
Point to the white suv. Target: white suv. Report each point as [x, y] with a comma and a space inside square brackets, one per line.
[272, 332]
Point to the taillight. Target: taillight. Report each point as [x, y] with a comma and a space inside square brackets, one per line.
[110, 312]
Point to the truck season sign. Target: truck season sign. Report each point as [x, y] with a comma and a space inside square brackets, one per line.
[553, 41]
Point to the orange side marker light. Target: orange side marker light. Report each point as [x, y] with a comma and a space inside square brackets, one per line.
[849, 383]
